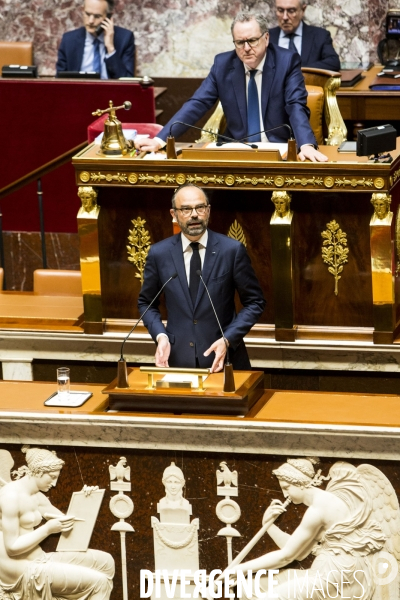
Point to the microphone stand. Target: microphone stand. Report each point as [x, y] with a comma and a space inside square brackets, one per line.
[229, 379]
[122, 373]
[292, 146]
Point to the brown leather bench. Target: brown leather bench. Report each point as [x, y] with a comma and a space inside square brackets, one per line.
[57, 282]
[16, 53]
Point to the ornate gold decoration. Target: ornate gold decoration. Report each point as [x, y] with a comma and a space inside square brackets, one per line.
[214, 125]
[84, 176]
[279, 181]
[120, 177]
[205, 179]
[303, 181]
[88, 198]
[381, 203]
[398, 241]
[379, 183]
[334, 251]
[354, 182]
[113, 142]
[140, 246]
[156, 178]
[236, 233]
[337, 131]
[281, 201]
[329, 182]
[180, 179]
[229, 180]
[133, 178]
[254, 180]
[396, 175]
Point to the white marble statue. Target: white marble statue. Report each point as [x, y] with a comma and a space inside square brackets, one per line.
[26, 571]
[174, 508]
[347, 527]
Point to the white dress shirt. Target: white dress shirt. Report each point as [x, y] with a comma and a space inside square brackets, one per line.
[88, 55]
[284, 40]
[187, 256]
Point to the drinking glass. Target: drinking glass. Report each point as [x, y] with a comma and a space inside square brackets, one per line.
[63, 381]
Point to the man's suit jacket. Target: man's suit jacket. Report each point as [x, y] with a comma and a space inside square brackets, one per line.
[191, 330]
[120, 64]
[317, 50]
[283, 97]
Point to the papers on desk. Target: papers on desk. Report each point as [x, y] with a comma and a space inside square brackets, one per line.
[261, 145]
[183, 378]
[129, 134]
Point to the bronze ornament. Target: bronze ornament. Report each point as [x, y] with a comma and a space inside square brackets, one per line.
[236, 233]
[334, 251]
[139, 247]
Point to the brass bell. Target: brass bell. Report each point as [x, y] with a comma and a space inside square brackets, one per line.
[113, 142]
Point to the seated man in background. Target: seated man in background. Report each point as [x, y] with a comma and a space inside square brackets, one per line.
[98, 46]
[260, 87]
[314, 44]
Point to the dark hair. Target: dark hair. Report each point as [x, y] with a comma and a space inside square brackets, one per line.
[111, 5]
[244, 16]
[186, 185]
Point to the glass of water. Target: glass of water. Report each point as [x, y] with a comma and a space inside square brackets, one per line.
[63, 381]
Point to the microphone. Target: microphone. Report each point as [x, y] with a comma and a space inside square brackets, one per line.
[171, 152]
[122, 374]
[292, 147]
[229, 381]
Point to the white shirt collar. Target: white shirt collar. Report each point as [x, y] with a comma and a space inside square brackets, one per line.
[202, 241]
[260, 67]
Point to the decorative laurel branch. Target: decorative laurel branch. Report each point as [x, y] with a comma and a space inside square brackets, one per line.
[398, 241]
[139, 239]
[334, 252]
[236, 233]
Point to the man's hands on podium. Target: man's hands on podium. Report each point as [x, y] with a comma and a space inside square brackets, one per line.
[148, 144]
[308, 151]
[219, 347]
[164, 349]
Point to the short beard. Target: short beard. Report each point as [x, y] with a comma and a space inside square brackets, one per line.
[202, 226]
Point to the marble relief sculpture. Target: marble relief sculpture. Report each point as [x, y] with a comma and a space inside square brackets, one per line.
[175, 536]
[351, 527]
[26, 571]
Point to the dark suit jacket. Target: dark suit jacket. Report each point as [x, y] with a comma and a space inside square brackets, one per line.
[120, 64]
[283, 97]
[192, 330]
[317, 50]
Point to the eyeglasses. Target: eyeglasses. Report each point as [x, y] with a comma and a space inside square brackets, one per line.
[187, 211]
[289, 11]
[252, 42]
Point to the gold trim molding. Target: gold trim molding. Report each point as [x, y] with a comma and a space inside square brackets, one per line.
[334, 251]
[278, 181]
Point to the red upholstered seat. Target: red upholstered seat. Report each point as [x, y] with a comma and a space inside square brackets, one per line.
[97, 127]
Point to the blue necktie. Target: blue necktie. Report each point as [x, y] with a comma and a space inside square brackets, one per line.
[291, 42]
[253, 109]
[96, 57]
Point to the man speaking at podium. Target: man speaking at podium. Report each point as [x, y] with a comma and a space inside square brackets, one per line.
[192, 337]
[260, 87]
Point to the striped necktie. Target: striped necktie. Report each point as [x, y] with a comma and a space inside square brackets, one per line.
[96, 57]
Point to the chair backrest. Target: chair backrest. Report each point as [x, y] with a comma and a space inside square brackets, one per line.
[16, 53]
[57, 282]
[325, 118]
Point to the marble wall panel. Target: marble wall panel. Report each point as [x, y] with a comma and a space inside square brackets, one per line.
[257, 488]
[179, 38]
[23, 254]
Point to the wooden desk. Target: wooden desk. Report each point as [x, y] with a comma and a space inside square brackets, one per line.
[359, 103]
[25, 309]
[340, 191]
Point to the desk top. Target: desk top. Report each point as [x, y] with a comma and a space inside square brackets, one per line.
[344, 171]
[304, 423]
[362, 87]
[27, 310]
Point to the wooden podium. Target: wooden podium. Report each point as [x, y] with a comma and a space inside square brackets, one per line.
[211, 400]
[329, 268]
